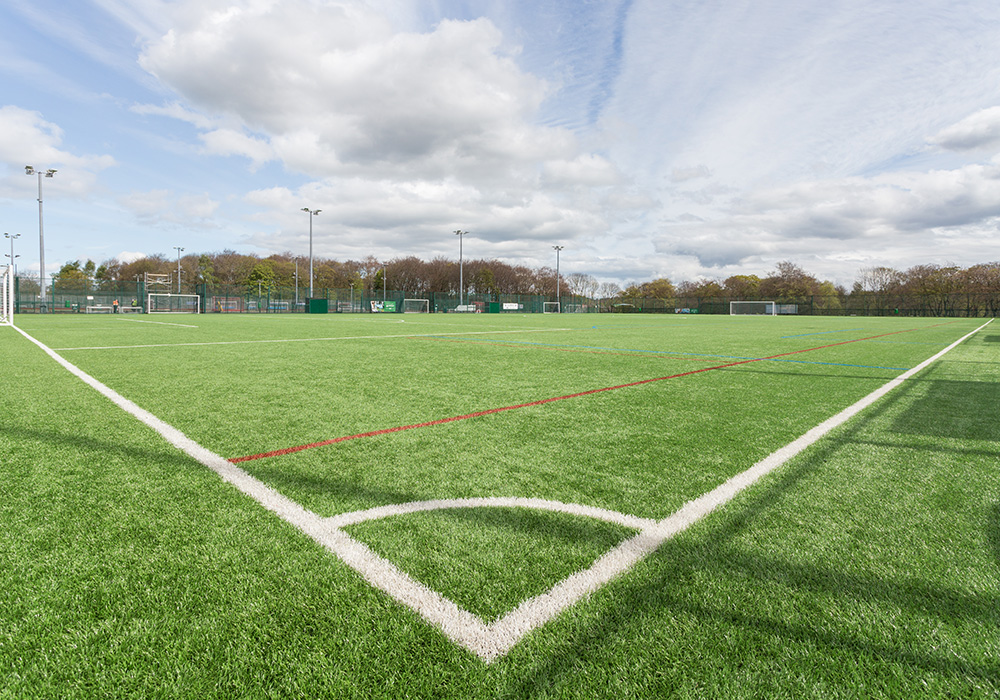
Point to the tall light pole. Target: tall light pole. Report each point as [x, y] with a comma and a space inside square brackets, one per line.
[30, 170]
[312, 213]
[12, 236]
[557, 248]
[461, 281]
[178, 249]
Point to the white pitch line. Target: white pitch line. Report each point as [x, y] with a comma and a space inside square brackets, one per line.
[492, 641]
[304, 340]
[610, 516]
[159, 323]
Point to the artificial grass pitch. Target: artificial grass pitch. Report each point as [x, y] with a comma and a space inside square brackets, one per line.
[868, 566]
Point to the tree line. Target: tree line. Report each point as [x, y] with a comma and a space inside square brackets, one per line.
[415, 278]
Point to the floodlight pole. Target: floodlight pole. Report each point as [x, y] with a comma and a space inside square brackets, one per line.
[312, 213]
[178, 249]
[557, 248]
[383, 288]
[12, 236]
[461, 281]
[296, 283]
[30, 170]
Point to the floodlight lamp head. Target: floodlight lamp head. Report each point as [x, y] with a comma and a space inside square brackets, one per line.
[50, 172]
[29, 170]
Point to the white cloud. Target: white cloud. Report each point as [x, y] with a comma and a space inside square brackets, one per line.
[127, 256]
[231, 142]
[977, 131]
[175, 110]
[354, 89]
[164, 208]
[409, 133]
[26, 138]
[883, 218]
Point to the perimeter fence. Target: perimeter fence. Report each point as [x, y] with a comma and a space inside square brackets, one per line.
[77, 296]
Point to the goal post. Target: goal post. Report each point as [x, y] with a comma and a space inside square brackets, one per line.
[416, 306]
[173, 304]
[753, 308]
[7, 296]
[550, 307]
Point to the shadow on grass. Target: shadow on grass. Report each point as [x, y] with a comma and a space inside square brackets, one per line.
[555, 526]
[670, 573]
[300, 486]
[60, 440]
[944, 409]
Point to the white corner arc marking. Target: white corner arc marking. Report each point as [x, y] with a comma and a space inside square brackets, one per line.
[488, 641]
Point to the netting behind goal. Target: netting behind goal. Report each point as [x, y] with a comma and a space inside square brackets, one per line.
[173, 304]
[752, 308]
[7, 296]
[416, 306]
[550, 307]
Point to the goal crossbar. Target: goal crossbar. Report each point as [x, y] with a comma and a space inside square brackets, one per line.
[416, 306]
[753, 308]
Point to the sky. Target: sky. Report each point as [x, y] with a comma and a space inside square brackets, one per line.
[687, 139]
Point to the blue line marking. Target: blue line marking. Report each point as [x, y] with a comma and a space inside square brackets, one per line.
[662, 352]
[802, 335]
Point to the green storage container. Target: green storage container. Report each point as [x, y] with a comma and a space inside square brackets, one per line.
[319, 306]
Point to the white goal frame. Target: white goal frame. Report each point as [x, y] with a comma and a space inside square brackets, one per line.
[7, 296]
[550, 307]
[183, 299]
[416, 306]
[753, 308]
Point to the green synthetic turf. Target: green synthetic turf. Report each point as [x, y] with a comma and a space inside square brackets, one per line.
[868, 566]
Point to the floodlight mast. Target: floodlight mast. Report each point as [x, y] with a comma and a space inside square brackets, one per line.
[12, 236]
[461, 281]
[30, 170]
[558, 248]
[312, 213]
[178, 249]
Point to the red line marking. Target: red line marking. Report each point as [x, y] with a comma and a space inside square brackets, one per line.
[477, 414]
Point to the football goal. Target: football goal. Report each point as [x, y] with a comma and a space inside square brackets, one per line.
[550, 307]
[227, 304]
[753, 308]
[173, 304]
[416, 306]
[7, 296]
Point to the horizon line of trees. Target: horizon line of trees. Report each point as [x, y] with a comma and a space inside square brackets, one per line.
[415, 278]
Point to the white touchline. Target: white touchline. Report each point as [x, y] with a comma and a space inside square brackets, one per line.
[488, 641]
[306, 340]
[158, 323]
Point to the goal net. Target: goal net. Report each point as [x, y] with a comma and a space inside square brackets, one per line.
[416, 306]
[226, 304]
[550, 307]
[753, 308]
[7, 296]
[173, 304]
